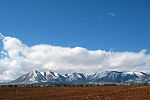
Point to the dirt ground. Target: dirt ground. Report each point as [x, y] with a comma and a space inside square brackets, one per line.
[140, 92]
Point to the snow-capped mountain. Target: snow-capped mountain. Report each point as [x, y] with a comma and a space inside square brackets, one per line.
[114, 76]
[32, 77]
[83, 78]
[49, 76]
[76, 77]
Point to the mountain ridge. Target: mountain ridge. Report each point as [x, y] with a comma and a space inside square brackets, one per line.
[50, 77]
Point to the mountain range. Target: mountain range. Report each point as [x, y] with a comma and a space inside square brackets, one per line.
[107, 77]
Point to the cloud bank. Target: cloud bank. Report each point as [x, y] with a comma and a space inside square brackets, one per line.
[18, 58]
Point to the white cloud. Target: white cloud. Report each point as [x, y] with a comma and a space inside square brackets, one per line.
[111, 14]
[21, 59]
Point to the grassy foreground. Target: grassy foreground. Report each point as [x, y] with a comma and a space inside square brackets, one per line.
[140, 92]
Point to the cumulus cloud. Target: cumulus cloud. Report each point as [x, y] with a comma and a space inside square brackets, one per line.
[20, 59]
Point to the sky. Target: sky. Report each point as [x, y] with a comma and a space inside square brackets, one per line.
[74, 35]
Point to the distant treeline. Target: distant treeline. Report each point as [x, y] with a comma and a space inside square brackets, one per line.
[66, 85]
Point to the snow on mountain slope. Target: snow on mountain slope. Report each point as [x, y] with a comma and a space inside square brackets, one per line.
[49, 75]
[139, 74]
[32, 77]
[76, 77]
[114, 76]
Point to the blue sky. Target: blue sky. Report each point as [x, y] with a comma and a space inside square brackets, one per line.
[103, 35]
[118, 25]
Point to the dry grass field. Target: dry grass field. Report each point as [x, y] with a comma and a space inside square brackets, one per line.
[76, 93]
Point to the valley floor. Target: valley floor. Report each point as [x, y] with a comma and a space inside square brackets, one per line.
[139, 92]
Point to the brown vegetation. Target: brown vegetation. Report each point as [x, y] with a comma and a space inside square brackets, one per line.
[141, 92]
